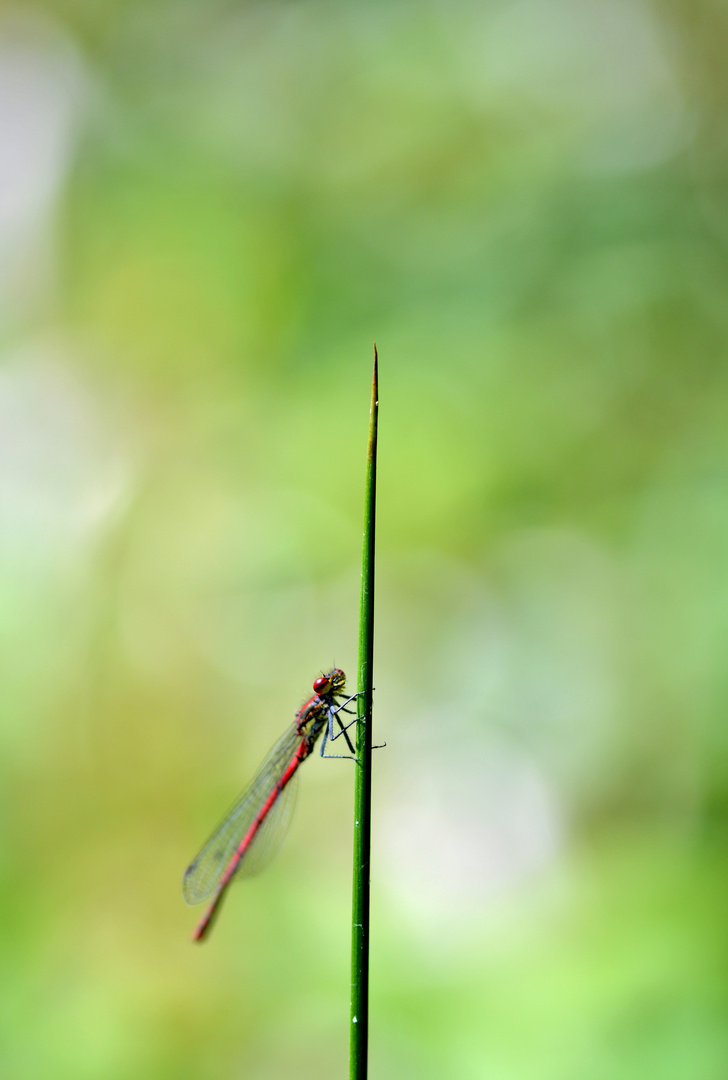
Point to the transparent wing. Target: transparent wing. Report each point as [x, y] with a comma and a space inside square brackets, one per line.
[203, 874]
[271, 833]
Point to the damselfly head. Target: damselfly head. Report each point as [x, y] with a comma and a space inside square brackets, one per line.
[331, 683]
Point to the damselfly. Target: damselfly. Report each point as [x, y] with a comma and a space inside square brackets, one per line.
[249, 835]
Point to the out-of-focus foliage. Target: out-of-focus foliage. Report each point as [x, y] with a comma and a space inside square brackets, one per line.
[208, 211]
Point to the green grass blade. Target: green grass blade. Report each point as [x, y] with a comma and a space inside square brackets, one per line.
[363, 781]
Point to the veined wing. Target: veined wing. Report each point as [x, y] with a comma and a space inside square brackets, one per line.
[203, 874]
[271, 833]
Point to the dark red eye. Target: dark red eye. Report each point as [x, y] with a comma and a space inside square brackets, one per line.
[321, 685]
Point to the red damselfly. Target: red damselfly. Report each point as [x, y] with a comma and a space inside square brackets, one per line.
[249, 835]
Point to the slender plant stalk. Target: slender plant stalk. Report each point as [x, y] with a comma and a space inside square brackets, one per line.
[363, 782]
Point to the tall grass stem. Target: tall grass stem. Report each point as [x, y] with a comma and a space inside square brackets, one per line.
[363, 782]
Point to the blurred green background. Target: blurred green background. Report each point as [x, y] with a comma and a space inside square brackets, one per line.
[208, 212]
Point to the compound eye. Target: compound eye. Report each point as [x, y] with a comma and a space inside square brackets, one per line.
[322, 685]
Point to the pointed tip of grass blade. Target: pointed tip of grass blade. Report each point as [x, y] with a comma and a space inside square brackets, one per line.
[375, 380]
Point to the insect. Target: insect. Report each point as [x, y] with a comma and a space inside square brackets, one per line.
[249, 835]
